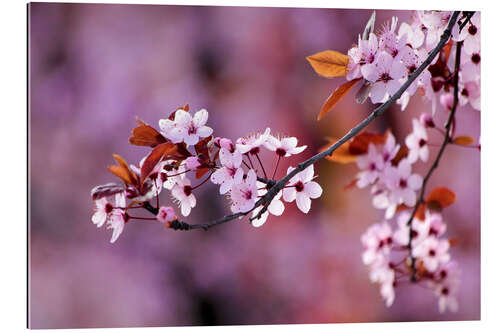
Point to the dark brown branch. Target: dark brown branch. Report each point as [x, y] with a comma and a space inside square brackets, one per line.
[265, 201]
[435, 164]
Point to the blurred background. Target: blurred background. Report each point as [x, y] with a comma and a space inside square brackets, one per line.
[94, 68]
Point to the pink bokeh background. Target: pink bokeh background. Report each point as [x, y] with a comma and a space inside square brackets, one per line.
[94, 68]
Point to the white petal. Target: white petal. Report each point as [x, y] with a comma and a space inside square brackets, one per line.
[289, 194]
[303, 202]
[99, 218]
[259, 222]
[204, 131]
[191, 139]
[200, 118]
[276, 207]
[313, 190]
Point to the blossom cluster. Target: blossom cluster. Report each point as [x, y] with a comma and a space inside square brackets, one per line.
[394, 188]
[386, 58]
[235, 166]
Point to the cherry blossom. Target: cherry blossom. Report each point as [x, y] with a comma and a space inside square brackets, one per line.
[432, 252]
[183, 193]
[372, 164]
[402, 183]
[186, 128]
[118, 217]
[417, 143]
[165, 214]
[283, 147]
[385, 73]
[243, 194]
[302, 189]
[276, 207]
[230, 172]
[251, 144]
[360, 55]
[102, 210]
[377, 241]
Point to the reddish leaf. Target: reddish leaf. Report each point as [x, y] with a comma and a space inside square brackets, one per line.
[453, 241]
[402, 153]
[201, 172]
[351, 184]
[463, 140]
[329, 63]
[341, 154]
[201, 149]
[336, 96]
[123, 172]
[441, 196]
[359, 144]
[160, 153]
[420, 213]
[145, 135]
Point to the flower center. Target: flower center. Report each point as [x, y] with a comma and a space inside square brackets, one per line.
[247, 194]
[422, 143]
[472, 29]
[476, 58]
[412, 69]
[254, 150]
[403, 183]
[385, 77]
[299, 186]
[108, 208]
[231, 171]
[373, 167]
[432, 253]
[192, 129]
[445, 291]
[464, 92]
[188, 190]
[281, 152]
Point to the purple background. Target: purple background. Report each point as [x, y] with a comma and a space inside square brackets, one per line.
[94, 68]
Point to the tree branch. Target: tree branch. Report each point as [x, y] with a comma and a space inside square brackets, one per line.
[279, 185]
[435, 164]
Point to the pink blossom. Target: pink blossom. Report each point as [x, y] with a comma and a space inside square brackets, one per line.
[186, 128]
[276, 206]
[251, 144]
[192, 162]
[377, 242]
[165, 214]
[417, 143]
[385, 73]
[183, 193]
[420, 230]
[302, 189]
[371, 164]
[283, 147]
[243, 194]
[432, 252]
[402, 184]
[118, 217]
[446, 286]
[363, 53]
[102, 210]
[230, 172]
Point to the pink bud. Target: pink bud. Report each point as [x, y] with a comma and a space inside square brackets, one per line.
[192, 162]
[446, 100]
[426, 120]
[165, 214]
[227, 144]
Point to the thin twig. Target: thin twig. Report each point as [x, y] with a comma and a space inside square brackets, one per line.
[446, 141]
[279, 185]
